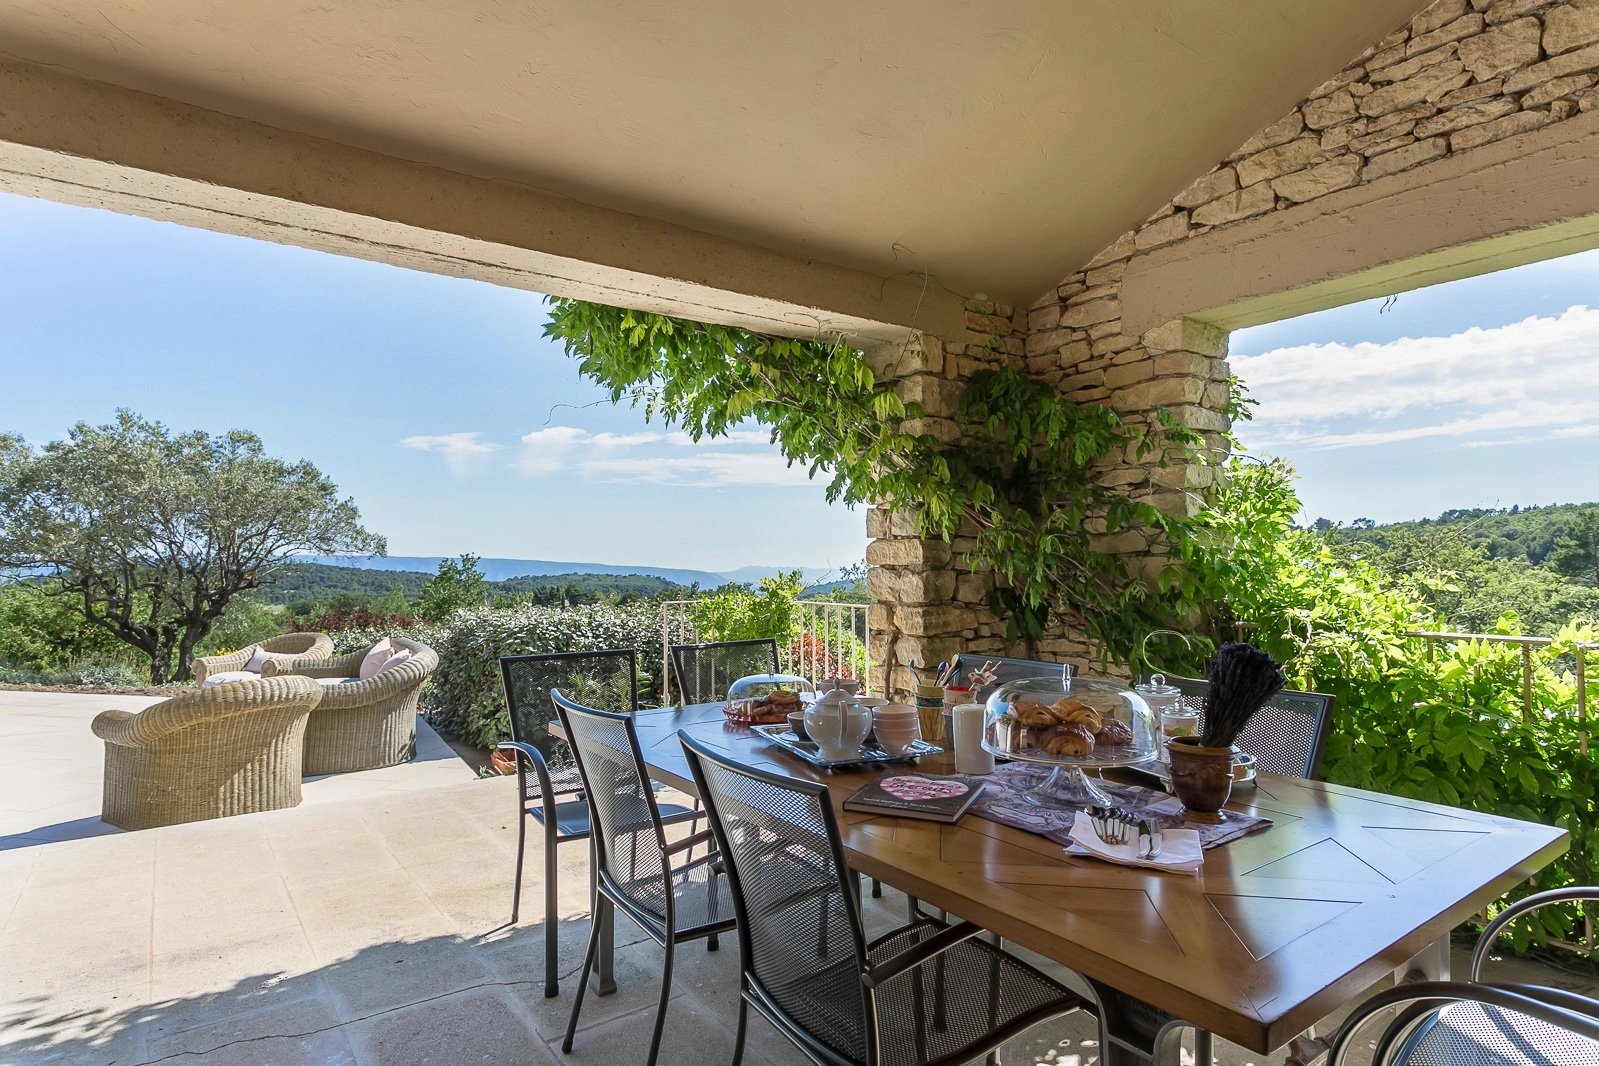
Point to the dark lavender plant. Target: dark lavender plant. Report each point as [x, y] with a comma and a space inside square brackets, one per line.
[1242, 679]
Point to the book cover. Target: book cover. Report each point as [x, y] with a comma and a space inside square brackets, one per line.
[937, 799]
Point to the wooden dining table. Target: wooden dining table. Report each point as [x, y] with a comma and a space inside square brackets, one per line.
[1279, 930]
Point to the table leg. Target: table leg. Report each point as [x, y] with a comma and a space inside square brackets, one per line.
[1429, 964]
[1133, 1033]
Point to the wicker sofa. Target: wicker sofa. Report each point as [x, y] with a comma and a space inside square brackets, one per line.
[210, 753]
[301, 645]
[362, 725]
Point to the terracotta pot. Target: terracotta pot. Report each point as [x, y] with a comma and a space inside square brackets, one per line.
[503, 762]
[1201, 777]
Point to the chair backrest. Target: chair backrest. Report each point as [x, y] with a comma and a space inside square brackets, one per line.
[801, 938]
[604, 679]
[1285, 736]
[1006, 670]
[629, 841]
[702, 672]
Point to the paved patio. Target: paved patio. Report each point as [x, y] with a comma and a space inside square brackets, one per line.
[51, 767]
[356, 929]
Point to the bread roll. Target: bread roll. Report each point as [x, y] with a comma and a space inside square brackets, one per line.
[1033, 714]
[1114, 731]
[1070, 711]
[1069, 740]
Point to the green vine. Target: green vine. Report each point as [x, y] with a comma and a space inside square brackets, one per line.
[1012, 470]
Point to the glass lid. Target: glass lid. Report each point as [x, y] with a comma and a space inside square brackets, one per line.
[1081, 721]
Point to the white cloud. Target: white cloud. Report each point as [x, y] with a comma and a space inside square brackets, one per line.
[619, 458]
[1527, 381]
[464, 452]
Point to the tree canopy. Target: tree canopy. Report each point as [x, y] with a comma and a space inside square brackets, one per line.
[150, 533]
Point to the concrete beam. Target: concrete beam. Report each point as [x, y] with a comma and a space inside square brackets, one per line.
[1516, 201]
[84, 142]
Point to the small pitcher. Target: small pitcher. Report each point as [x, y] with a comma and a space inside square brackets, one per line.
[837, 724]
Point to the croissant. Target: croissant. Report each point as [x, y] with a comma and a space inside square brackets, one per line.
[1114, 731]
[1069, 740]
[1033, 714]
[1068, 711]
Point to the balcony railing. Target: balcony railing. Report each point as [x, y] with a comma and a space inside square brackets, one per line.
[830, 639]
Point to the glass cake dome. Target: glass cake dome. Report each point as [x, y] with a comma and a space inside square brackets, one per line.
[1070, 724]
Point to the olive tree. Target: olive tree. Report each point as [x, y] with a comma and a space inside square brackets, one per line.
[152, 533]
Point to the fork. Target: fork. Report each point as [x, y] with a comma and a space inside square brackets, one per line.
[1110, 824]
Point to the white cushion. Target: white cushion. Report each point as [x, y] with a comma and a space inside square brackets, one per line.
[228, 677]
[379, 654]
[258, 658]
[395, 660]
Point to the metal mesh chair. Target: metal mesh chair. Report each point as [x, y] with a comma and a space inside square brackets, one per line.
[925, 993]
[1006, 670]
[545, 772]
[672, 901]
[702, 672]
[1286, 735]
[1458, 1023]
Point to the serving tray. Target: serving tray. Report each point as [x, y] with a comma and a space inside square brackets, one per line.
[870, 753]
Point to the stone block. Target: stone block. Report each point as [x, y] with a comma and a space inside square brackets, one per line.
[1430, 84]
[1100, 330]
[1477, 91]
[910, 587]
[1468, 115]
[1503, 49]
[1589, 100]
[973, 588]
[1338, 81]
[1509, 126]
[1379, 166]
[1437, 15]
[1282, 131]
[908, 552]
[1283, 159]
[938, 395]
[936, 620]
[902, 522]
[1216, 184]
[1400, 121]
[1562, 109]
[1336, 137]
[1462, 27]
[1122, 542]
[1107, 275]
[1161, 392]
[1415, 64]
[1554, 90]
[1378, 143]
[1044, 317]
[1090, 313]
[1319, 180]
[1329, 110]
[1188, 335]
[1183, 363]
[1505, 10]
[1246, 203]
[877, 522]
[1121, 248]
[1168, 229]
[1570, 25]
[1583, 59]
[1047, 340]
[1119, 377]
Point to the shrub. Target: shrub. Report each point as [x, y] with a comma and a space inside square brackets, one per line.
[464, 696]
[78, 675]
[340, 619]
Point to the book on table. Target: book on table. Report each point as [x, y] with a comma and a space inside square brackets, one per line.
[935, 798]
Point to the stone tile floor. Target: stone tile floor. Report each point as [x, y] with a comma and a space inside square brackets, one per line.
[51, 767]
[369, 929]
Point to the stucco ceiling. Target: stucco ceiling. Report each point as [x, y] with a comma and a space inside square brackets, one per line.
[997, 145]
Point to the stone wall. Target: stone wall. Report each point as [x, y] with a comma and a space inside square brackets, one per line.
[1462, 74]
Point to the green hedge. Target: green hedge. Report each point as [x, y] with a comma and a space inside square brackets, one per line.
[464, 697]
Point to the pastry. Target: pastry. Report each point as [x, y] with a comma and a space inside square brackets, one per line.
[1114, 731]
[1068, 740]
[1033, 714]
[1068, 711]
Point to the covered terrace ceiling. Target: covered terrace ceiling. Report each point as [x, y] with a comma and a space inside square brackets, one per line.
[998, 146]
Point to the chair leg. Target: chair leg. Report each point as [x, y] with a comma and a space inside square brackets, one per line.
[582, 982]
[660, 1013]
[552, 921]
[743, 1025]
[877, 889]
[711, 943]
[516, 890]
[1204, 1048]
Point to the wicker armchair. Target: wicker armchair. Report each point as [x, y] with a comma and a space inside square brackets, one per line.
[362, 725]
[210, 753]
[304, 645]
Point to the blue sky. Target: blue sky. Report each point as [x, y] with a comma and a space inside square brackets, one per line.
[436, 404]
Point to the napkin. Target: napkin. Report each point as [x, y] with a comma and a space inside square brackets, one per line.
[1180, 850]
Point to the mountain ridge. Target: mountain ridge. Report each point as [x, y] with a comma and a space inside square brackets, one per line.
[503, 569]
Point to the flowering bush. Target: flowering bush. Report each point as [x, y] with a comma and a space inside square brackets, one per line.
[340, 619]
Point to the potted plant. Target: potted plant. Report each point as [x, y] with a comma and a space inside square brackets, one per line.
[1242, 679]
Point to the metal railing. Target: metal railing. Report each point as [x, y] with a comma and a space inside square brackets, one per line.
[830, 638]
[1580, 650]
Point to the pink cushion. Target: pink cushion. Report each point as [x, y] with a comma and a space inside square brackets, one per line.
[375, 658]
[395, 660]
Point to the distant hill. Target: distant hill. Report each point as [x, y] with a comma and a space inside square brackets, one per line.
[504, 569]
[1504, 532]
[318, 581]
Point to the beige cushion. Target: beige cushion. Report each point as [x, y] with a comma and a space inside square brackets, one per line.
[379, 654]
[329, 682]
[260, 657]
[228, 677]
[395, 660]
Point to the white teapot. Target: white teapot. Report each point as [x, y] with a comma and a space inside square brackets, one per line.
[837, 724]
